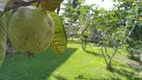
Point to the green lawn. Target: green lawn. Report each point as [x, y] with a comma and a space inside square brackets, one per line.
[74, 64]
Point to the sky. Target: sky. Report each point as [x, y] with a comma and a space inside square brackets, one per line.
[2, 2]
[107, 4]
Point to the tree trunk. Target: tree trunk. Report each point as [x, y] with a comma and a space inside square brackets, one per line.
[104, 56]
[109, 66]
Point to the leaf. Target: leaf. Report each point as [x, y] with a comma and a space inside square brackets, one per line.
[3, 38]
[1, 13]
[4, 21]
[59, 43]
[50, 5]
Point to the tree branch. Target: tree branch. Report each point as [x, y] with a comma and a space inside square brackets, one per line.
[21, 4]
[104, 56]
[38, 3]
[58, 9]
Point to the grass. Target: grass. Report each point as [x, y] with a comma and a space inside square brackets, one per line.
[74, 64]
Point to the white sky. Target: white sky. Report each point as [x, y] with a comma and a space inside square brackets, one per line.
[107, 4]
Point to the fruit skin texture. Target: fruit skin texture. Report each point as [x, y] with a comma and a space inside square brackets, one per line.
[31, 29]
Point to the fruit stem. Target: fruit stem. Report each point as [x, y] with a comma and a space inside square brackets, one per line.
[20, 4]
[58, 9]
[30, 55]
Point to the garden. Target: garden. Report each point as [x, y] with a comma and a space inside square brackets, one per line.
[70, 40]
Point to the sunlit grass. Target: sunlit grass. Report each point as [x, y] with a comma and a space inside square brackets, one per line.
[74, 64]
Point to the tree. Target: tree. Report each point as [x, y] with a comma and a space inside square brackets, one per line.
[118, 26]
[132, 8]
[113, 33]
[75, 14]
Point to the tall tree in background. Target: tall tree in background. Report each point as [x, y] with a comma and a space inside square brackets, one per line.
[72, 11]
[76, 15]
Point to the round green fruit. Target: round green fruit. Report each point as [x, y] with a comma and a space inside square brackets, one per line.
[31, 29]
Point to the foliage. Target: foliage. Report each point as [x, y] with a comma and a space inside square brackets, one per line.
[11, 7]
[3, 38]
[113, 33]
[110, 26]
[113, 28]
[59, 42]
[133, 24]
[77, 17]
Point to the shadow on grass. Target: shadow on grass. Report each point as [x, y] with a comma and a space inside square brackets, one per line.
[58, 61]
[58, 77]
[116, 63]
[138, 69]
[133, 74]
[130, 75]
[94, 53]
[19, 67]
[80, 77]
